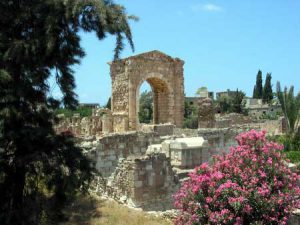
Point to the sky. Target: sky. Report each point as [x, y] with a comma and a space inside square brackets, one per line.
[223, 43]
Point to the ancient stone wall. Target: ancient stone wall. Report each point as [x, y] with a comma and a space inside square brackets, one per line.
[231, 119]
[160, 129]
[219, 140]
[108, 150]
[185, 132]
[145, 181]
[130, 173]
[78, 126]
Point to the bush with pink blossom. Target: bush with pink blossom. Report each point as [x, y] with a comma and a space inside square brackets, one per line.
[252, 184]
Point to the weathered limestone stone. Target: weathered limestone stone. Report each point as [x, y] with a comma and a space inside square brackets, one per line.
[110, 149]
[206, 114]
[120, 122]
[157, 148]
[187, 152]
[160, 129]
[219, 140]
[163, 73]
[86, 126]
[107, 122]
[147, 182]
[294, 218]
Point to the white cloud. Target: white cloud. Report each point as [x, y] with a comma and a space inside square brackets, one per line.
[209, 7]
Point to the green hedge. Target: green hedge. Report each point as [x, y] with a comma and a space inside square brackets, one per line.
[82, 110]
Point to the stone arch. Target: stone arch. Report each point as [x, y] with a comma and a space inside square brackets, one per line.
[162, 99]
[165, 76]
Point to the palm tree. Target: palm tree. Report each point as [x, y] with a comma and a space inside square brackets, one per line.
[290, 105]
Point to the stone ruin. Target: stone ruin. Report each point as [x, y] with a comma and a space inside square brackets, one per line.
[165, 76]
[100, 123]
[144, 165]
[144, 169]
[206, 113]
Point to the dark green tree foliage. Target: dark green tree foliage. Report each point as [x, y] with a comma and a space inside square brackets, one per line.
[190, 116]
[146, 107]
[83, 111]
[237, 104]
[224, 103]
[40, 170]
[232, 104]
[258, 88]
[268, 92]
[290, 105]
[254, 91]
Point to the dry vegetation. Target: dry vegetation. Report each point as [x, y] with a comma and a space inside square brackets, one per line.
[94, 211]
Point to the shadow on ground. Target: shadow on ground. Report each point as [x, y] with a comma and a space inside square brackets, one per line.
[83, 211]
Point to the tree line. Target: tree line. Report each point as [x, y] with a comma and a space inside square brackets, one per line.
[263, 92]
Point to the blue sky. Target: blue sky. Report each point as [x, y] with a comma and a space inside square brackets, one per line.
[223, 44]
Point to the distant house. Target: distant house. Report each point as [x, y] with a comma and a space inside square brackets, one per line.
[201, 93]
[90, 105]
[192, 100]
[227, 93]
[256, 108]
[204, 93]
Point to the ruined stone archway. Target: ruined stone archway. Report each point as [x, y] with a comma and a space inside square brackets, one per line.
[165, 76]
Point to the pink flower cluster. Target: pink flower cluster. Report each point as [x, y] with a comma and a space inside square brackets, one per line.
[250, 185]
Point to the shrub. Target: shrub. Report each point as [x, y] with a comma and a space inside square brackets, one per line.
[290, 143]
[250, 185]
[191, 122]
[293, 156]
[83, 111]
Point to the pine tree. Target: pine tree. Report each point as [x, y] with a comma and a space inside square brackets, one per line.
[258, 87]
[267, 91]
[40, 39]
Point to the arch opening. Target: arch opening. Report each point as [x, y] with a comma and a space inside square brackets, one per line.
[160, 102]
[145, 106]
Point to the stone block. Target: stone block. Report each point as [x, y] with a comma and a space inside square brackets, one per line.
[108, 164]
[138, 184]
[121, 145]
[188, 143]
[150, 180]
[136, 150]
[188, 152]
[149, 167]
[112, 157]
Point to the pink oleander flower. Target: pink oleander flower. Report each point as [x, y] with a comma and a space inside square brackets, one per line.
[250, 184]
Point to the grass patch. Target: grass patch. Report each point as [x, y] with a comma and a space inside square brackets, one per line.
[93, 211]
[293, 156]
